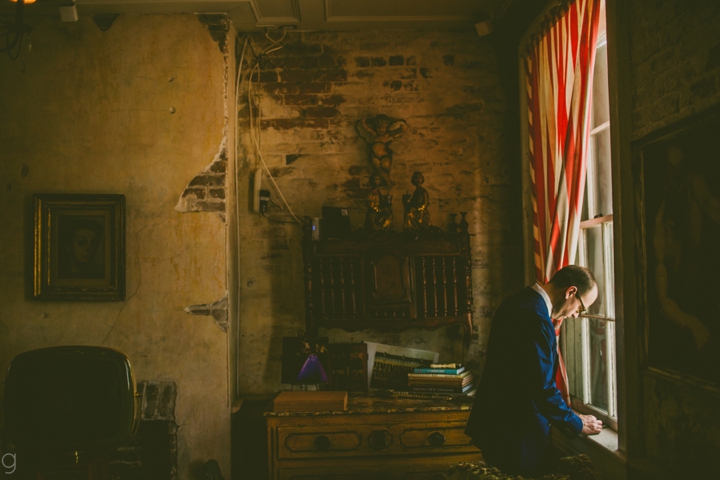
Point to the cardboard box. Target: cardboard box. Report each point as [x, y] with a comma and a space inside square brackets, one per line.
[304, 401]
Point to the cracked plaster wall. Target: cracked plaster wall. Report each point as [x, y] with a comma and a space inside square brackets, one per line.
[89, 112]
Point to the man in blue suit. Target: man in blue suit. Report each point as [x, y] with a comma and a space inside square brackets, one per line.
[517, 399]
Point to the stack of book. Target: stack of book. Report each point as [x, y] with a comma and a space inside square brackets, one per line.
[442, 379]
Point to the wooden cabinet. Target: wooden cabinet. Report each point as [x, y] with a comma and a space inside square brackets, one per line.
[388, 281]
[374, 439]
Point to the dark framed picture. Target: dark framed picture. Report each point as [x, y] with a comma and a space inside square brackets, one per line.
[79, 247]
[304, 360]
[680, 182]
[348, 366]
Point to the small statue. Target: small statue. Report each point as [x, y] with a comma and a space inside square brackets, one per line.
[463, 225]
[379, 132]
[379, 207]
[417, 216]
[453, 227]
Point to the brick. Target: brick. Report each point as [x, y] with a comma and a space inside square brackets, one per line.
[209, 180]
[301, 99]
[364, 74]
[319, 75]
[291, 123]
[396, 60]
[448, 60]
[302, 48]
[278, 172]
[321, 112]
[219, 167]
[270, 62]
[292, 158]
[362, 62]
[425, 72]
[313, 87]
[408, 74]
[265, 77]
[212, 206]
[329, 61]
[243, 110]
[410, 60]
[332, 100]
[301, 62]
[278, 88]
[378, 62]
[198, 193]
[394, 85]
[217, 193]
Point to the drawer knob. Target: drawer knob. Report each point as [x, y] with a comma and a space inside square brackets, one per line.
[322, 442]
[436, 439]
[379, 440]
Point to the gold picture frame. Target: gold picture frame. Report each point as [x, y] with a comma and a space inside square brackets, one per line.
[79, 247]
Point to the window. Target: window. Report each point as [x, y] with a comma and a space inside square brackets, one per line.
[588, 343]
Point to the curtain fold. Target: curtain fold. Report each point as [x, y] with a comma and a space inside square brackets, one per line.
[559, 67]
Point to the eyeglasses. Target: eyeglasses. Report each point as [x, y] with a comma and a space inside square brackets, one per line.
[582, 308]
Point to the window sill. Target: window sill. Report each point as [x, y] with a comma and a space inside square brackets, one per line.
[601, 448]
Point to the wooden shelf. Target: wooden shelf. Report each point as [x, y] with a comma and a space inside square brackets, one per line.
[388, 281]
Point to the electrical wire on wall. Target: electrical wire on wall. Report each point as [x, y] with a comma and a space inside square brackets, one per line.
[13, 32]
[236, 331]
[255, 126]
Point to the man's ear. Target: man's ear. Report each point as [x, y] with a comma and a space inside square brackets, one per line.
[570, 292]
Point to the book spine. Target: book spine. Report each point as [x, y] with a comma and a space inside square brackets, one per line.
[446, 371]
[438, 375]
[442, 389]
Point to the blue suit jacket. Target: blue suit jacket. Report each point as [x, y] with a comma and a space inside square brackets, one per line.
[517, 398]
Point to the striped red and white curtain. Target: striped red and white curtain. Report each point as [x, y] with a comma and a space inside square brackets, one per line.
[559, 71]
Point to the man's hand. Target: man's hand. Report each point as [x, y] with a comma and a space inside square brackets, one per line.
[591, 425]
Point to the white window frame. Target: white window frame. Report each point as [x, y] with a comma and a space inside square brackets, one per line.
[581, 403]
[583, 400]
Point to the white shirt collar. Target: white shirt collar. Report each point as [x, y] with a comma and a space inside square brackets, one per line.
[545, 296]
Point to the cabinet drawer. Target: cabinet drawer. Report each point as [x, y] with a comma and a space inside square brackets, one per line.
[445, 436]
[331, 441]
[325, 441]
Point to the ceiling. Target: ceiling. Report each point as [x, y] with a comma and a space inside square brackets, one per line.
[301, 14]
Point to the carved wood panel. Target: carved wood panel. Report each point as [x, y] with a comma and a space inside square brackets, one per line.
[388, 282]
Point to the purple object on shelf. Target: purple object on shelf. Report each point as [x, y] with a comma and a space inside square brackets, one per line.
[312, 371]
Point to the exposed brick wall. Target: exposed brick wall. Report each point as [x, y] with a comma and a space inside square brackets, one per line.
[308, 97]
[206, 192]
[675, 72]
[675, 53]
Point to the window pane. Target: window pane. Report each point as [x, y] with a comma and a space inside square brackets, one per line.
[595, 258]
[571, 342]
[600, 174]
[598, 363]
[601, 104]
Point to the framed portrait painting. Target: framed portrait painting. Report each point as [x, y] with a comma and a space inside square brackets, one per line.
[681, 210]
[79, 247]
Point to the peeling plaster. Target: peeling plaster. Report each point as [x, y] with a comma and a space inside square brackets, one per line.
[198, 196]
[218, 25]
[218, 310]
